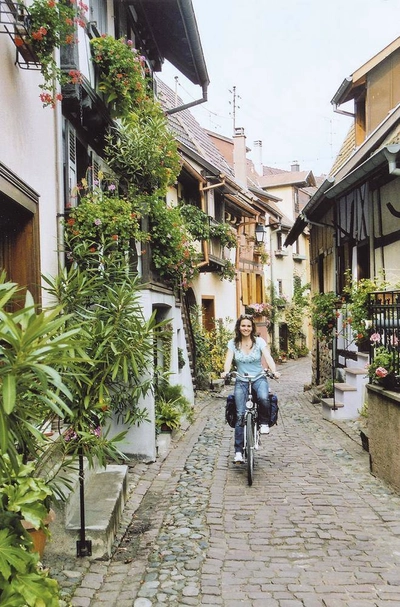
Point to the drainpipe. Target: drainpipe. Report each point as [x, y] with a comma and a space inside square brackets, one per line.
[203, 99]
[58, 126]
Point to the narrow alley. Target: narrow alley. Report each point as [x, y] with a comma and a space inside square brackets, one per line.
[316, 529]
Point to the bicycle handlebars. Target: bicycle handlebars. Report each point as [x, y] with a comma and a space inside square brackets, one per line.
[248, 377]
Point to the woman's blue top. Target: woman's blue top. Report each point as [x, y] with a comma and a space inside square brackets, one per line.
[251, 362]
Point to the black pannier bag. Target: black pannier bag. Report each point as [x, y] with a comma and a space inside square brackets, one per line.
[274, 409]
[230, 411]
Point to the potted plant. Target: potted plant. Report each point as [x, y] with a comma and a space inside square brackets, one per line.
[171, 406]
[357, 310]
[101, 216]
[122, 73]
[168, 415]
[381, 369]
[50, 24]
[24, 504]
[259, 309]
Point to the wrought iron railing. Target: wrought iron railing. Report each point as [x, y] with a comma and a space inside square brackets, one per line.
[15, 20]
[384, 312]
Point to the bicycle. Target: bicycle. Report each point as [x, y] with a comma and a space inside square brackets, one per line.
[250, 421]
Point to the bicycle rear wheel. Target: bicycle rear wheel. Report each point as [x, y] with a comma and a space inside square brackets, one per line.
[250, 448]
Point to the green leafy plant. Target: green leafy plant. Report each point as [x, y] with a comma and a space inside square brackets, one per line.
[101, 216]
[121, 73]
[143, 151]
[262, 253]
[295, 313]
[103, 299]
[381, 366]
[23, 497]
[171, 405]
[210, 347]
[357, 310]
[173, 252]
[181, 359]
[35, 350]
[323, 314]
[225, 234]
[227, 271]
[51, 24]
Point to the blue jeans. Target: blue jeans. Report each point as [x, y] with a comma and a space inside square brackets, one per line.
[260, 393]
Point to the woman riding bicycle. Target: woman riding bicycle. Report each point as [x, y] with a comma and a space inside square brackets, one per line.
[247, 350]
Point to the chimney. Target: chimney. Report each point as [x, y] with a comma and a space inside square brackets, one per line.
[258, 163]
[239, 156]
[295, 167]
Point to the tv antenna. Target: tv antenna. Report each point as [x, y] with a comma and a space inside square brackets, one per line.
[234, 105]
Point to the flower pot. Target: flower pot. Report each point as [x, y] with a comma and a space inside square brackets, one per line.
[25, 50]
[39, 536]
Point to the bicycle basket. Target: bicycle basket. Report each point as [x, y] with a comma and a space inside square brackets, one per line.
[230, 411]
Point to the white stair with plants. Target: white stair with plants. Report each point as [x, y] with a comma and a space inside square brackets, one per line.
[349, 395]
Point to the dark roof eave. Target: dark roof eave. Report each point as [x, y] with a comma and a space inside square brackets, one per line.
[172, 27]
[330, 190]
[303, 219]
[341, 94]
[195, 43]
[260, 192]
[361, 173]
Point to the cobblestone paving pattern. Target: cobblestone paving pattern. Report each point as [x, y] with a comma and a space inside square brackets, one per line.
[316, 529]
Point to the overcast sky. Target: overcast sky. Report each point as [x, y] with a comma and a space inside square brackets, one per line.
[286, 59]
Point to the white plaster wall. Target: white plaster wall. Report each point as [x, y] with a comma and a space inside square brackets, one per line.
[141, 440]
[286, 204]
[208, 284]
[28, 144]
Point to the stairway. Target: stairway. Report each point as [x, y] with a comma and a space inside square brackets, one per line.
[349, 396]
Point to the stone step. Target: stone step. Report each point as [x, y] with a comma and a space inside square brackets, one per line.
[361, 362]
[331, 409]
[351, 399]
[105, 494]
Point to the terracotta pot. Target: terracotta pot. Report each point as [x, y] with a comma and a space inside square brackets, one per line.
[39, 536]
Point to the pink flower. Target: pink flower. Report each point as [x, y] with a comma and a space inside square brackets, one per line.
[97, 222]
[112, 187]
[375, 339]
[381, 372]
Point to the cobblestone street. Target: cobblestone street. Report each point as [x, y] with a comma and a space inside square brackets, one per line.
[316, 529]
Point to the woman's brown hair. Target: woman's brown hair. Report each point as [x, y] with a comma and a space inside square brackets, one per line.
[238, 335]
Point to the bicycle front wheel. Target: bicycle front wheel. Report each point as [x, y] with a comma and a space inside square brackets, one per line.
[250, 448]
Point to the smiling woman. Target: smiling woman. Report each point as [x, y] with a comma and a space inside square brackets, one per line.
[247, 350]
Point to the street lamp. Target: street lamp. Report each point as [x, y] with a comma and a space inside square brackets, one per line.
[260, 233]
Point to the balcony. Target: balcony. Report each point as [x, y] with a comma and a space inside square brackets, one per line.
[384, 312]
[280, 253]
[298, 257]
[15, 21]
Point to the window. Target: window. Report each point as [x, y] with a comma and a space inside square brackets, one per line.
[208, 313]
[98, 15]
[253, 288]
